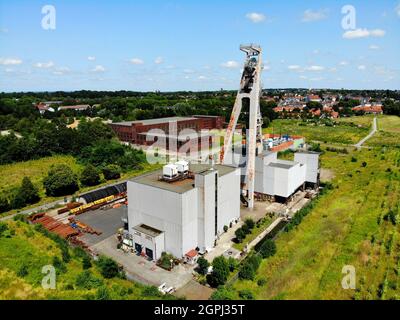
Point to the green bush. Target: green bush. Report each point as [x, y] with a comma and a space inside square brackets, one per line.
[165, 261]
[26, 194]
[112, 172]
[60, 181]
[90, 176]
[4, 204]
[203, 265]
[86, 280]
[59, 265]
[246, 294]
[108, 267]
[23, 271]
[240, 235]
[220, 272]
[151, 291]
[102, 293]
[261, 282]
[247, 271]
[267, 249]
[249, 223]
[223, 293]
[86, 263]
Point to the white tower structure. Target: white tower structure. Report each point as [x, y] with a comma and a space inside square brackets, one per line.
[250, 88]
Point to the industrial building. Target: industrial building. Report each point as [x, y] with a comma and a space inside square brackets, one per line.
[180, 209]
[171, 130]
[280, 179]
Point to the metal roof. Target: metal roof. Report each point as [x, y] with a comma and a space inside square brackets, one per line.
[153, 179]
[150, 231]
[154, 121]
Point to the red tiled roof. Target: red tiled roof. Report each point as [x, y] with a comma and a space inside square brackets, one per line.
[191, 254]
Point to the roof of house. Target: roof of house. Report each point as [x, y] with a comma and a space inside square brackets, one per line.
[181, 186]
[192, 253]
[282, 164]
[150, 231]
[154, 121]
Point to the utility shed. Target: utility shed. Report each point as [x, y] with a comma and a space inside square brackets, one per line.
[190, 212]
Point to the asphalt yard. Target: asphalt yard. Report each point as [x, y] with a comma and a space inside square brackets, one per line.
[106, 221]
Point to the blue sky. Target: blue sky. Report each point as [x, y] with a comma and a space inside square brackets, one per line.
[194, 45]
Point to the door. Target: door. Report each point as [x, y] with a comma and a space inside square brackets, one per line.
[149, 253]
[138, 248]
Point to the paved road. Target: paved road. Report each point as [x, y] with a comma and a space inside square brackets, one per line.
[373, 131]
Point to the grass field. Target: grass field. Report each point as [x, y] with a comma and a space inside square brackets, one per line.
[356, 223]
[348, 131]
[25, 247]
[12, 175]
[388, 132]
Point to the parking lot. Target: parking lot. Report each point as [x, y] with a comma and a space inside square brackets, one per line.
[106, 221]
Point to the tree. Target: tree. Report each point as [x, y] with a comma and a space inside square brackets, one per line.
[250, 223]
[60, 181]
[223, 293]
[4, 204]
[86, 262]
[220, 272]
[112, 172]
[267, 249]
[108, 267]
[203, 265]
[90, 176]
[246, 294]
[247, 271]
[27, 194]
[240, 235]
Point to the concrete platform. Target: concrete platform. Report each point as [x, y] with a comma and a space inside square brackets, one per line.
[106, 221]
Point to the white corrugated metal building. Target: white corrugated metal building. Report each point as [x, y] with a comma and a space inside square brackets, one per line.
[189, 213]
[281, 178]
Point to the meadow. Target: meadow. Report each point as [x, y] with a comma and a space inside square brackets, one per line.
[24, 252]
[12, 174]
[354, 224]
[347, 131]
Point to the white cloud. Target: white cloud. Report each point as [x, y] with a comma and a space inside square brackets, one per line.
[315, 68]
[137, 61]
[188, 71]
[98, 68]
[230, 64]
[343, 63]
[202, 78]
[159, 60]
[44, 65]
[267, 68]
[374, 47]
[256, 17]
[310, 15]
[61, 71]
[362, 67]
[363, 33]
[10, 61]
[294, 67]
[91, 58]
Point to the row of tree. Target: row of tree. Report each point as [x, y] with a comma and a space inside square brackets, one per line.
[60, 181]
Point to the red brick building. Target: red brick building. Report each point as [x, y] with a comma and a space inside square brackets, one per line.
[137, 132]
